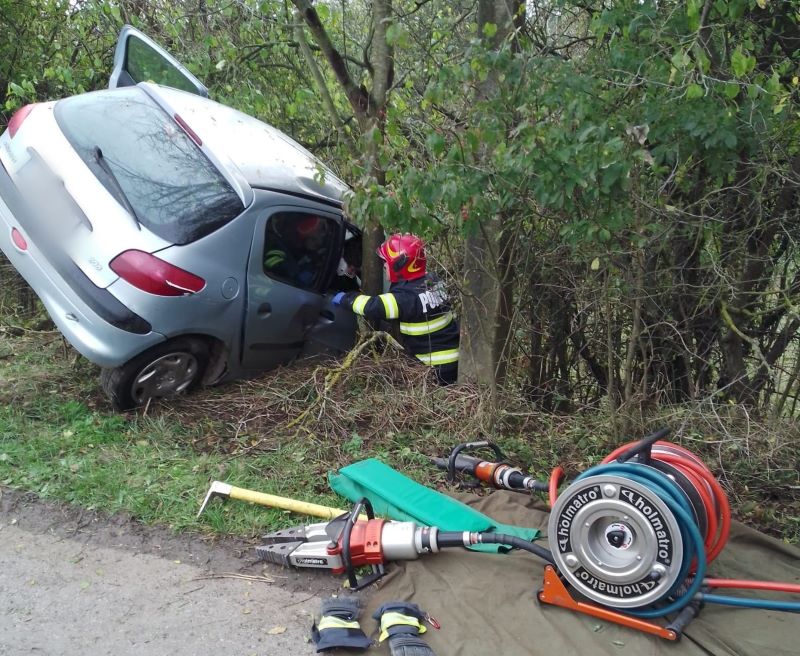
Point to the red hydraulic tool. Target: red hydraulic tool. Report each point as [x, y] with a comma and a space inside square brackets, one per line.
[345, 543]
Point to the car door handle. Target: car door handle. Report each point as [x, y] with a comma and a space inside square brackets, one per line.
[327, 314]
[264, 310]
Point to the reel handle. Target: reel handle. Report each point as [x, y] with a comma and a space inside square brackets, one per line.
[643, 447]
[451, 462]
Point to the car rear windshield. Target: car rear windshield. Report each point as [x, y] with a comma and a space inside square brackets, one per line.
[174, 190]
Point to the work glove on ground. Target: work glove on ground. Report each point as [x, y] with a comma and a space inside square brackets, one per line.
[402, 623]
[338, 625]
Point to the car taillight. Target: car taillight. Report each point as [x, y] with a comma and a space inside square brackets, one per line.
[19, 116]
[155, 276]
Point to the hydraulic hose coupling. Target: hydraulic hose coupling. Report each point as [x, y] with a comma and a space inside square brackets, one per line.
[402, 623]
[338, 625]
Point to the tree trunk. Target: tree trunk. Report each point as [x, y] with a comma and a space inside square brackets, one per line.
[747, 293]
[369, 110]
[487, 302]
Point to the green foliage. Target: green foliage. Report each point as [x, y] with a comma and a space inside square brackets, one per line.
[44, 57]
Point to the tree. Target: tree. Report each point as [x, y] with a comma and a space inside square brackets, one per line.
[368, 107]
[489, 245]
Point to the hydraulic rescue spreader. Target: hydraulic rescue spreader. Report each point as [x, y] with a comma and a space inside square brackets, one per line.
[631, 537]
[346, 543]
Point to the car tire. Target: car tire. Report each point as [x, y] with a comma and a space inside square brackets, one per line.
[164, 371]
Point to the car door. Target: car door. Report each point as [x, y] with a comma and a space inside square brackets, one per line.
[293, 257]
[138, 58]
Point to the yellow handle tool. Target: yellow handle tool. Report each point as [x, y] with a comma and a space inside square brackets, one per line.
[225, 490]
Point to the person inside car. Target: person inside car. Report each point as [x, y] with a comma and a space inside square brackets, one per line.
[296, 250]
[348, 271]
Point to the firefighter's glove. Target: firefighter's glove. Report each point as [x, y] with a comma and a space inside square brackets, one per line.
[337, 299]
[402, 624]
[400, 617]
[338, 625]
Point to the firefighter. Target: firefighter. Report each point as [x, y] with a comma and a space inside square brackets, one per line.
[419, 301]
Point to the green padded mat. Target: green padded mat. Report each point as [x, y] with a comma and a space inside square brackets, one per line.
[398, 497]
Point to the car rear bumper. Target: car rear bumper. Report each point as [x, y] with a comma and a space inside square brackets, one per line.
[100, 327]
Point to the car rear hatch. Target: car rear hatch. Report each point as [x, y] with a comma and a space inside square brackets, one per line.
[108, 172]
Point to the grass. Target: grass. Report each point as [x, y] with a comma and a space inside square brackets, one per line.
[60, 439]
[110, 464]
[79, 451]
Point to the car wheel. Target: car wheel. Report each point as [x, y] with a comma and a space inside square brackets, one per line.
[163, 371]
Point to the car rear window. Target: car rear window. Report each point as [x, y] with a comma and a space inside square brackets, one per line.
[176, 192]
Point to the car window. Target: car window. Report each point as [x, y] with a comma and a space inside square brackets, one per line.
[298, 248]
[174, 190]
[145, 64]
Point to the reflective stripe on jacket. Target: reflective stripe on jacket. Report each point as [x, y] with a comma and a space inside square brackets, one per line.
[428, 328]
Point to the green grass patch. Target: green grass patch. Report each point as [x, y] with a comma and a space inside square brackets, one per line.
[141, 466]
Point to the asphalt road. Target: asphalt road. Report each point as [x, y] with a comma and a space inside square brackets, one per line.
[72, 583]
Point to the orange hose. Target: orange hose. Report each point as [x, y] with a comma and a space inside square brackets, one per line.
[555, 478]
[719, 494]
[717, 508]
[708, 506]
[777, 586]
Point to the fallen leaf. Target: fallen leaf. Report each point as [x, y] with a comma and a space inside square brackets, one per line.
[84, 585]
[275, 630]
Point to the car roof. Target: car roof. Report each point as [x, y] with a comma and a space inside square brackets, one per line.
[266, 156]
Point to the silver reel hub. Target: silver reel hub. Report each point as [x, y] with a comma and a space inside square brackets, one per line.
[615, 541]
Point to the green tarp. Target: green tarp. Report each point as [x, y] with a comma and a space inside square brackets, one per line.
[398, 497]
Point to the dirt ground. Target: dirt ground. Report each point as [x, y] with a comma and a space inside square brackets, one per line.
[74, 582]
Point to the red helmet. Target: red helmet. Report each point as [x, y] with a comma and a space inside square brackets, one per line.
[308, 226]
[405, 257]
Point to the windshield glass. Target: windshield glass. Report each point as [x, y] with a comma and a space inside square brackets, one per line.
[176, 192]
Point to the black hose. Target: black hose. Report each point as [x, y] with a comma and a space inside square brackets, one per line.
[517, 543]
[456, 539]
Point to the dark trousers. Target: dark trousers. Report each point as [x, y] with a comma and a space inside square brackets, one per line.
[446, 374]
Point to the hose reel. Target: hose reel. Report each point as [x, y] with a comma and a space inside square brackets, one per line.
[632, 536]
[638, 530]
[615, 541]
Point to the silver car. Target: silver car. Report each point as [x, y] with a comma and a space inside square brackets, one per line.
[174, 241]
